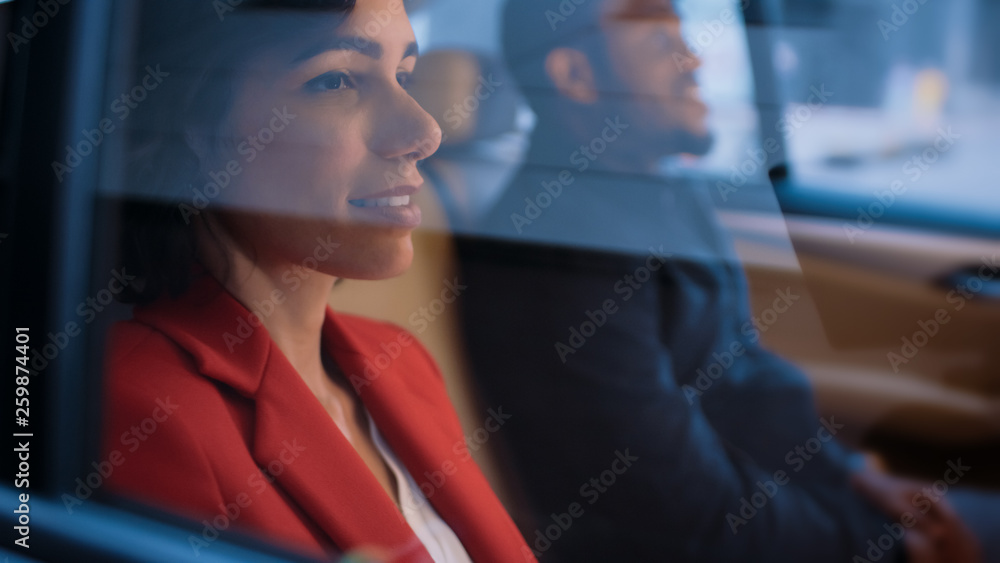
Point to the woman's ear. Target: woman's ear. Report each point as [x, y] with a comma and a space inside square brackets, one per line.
[571, 72]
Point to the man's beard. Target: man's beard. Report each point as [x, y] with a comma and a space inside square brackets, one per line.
[684, 141]
[695, 144]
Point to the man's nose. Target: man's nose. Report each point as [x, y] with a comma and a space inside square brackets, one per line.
[692, 62]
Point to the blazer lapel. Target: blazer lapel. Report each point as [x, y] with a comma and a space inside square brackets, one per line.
[295, 441]
[411, 409]
[320, 469]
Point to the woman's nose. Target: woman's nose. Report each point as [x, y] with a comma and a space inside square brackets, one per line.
[405, 131]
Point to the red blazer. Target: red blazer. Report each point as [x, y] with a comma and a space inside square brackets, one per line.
[201, 402]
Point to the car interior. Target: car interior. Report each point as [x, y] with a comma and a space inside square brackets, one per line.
[853, 169]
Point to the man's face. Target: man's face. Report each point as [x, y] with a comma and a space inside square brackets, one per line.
[652, 73]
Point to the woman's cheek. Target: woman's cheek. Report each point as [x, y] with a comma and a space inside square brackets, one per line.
[345, 170]
[309, 168]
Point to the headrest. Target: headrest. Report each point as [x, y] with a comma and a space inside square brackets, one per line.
[469, 94]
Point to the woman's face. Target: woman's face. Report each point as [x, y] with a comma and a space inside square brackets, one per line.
[324, 138]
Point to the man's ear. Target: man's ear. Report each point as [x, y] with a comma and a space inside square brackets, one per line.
[571, 72]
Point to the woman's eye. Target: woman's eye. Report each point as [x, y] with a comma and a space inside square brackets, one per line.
[331, 81]
[405, 79]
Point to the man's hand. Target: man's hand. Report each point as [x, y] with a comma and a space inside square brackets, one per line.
[933, 535]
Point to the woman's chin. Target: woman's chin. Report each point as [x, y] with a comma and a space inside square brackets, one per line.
[382, 265]
[395, 271]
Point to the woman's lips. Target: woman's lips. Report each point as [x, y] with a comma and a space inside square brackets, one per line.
[398, 201]
[390, 208]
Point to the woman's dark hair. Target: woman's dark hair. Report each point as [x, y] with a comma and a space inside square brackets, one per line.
[200, 48]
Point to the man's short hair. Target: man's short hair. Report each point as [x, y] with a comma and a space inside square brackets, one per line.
[531, 29]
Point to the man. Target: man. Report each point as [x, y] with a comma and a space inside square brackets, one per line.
[599, 294]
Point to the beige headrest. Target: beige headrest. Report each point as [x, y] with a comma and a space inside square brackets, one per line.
[469, 94]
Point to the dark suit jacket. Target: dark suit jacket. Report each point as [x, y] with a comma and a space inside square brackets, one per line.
[597, 323]
[211, 420]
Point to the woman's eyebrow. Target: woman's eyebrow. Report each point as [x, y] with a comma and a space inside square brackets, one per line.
[361, 45]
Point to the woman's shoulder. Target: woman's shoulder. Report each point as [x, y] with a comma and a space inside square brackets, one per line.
[158, 413]
[162, 411]
[143, 365]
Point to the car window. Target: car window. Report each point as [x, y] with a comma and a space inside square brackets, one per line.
[894, 117]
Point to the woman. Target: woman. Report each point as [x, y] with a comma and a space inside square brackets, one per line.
[276, 156]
